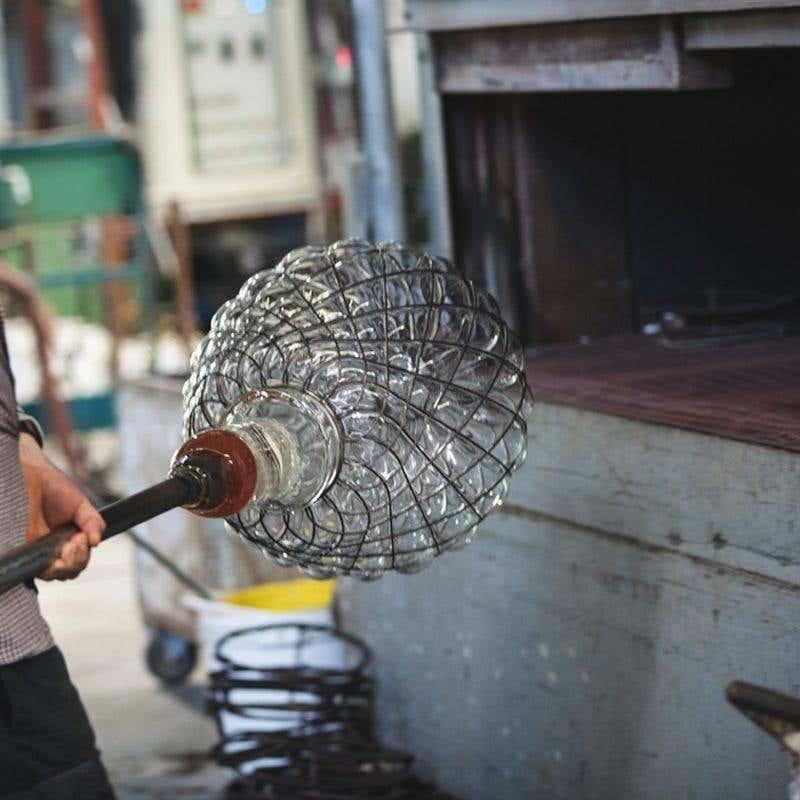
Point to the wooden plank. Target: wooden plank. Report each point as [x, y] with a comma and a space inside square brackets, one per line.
[742, 31]
[604, 55]
[120, 309]
[705, 497]
[547, 661]
[441, 15]
[179, 232]
[578, 200]
[484, 176]
[37, 61]
[608, 76]
[562, 206]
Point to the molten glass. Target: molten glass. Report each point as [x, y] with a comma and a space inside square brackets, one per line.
[383, 400]
[224, 465]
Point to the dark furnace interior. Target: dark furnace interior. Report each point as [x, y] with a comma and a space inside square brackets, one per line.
[669, 213]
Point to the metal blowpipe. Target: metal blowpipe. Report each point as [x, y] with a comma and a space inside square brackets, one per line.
[213, 474]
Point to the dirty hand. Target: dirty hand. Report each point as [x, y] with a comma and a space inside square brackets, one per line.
[54, 500]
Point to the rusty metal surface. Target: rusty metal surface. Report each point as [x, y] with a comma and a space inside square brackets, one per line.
[310, 730]
[748, 391]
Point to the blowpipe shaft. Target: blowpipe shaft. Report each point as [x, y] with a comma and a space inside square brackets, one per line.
[213, 475]
[25, 562]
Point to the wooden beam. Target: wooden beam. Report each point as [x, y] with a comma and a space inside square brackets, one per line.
[121, 309]
[179, 232]
[604, 55]
[438, 15]
[767, 29]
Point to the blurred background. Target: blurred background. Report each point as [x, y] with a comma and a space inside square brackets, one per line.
[621, 176]
[153, 156]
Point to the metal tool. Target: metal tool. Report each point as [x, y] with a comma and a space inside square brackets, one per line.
[777, 714]
[213, 474]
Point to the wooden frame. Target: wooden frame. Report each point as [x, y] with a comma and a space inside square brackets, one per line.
[767, 29]
[599, 55]
[442, 15]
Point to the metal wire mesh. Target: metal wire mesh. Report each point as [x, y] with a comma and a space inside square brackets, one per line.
[425, 382]
[304, 729]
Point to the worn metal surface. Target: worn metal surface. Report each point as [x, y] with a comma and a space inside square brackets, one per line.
[434, 155]
[581, 646]
[434, 15]
[742, 31]
[150, 428]
[748, 391]
[605, 55]
[385, 212]
[309, 701]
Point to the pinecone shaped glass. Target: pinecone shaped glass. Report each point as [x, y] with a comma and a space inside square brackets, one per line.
[383, 396]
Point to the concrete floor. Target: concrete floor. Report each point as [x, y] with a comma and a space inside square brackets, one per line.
[154, 742]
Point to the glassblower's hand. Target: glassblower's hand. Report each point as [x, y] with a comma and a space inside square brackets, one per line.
[52, 501]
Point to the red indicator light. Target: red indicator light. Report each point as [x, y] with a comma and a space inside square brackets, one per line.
[344, 57]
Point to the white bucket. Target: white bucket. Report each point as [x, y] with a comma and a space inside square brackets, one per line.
[216, 619]
[275, 649]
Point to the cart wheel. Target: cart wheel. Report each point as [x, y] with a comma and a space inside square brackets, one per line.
[170, 657]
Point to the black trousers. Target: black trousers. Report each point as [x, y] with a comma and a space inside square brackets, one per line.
[47, 746]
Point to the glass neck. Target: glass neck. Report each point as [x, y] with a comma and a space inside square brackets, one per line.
[296, 442]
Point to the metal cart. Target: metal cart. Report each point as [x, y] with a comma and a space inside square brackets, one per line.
[71, 218]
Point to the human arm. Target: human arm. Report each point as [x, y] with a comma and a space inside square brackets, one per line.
[53, 499]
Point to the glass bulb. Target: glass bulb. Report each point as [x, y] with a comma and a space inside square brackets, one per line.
[383, 398]
[295, 440]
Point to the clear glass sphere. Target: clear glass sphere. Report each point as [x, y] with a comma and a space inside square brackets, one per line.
[384, 397]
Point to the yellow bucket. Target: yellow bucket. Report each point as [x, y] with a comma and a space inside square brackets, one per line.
[294, 595]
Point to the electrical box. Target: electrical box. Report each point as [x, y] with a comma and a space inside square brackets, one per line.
[226, 108]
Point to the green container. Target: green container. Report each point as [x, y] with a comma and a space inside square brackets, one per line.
[87, 413]
[71, 178]
[52, 225]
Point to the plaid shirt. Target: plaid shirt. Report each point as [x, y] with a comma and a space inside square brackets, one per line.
[23, 631]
